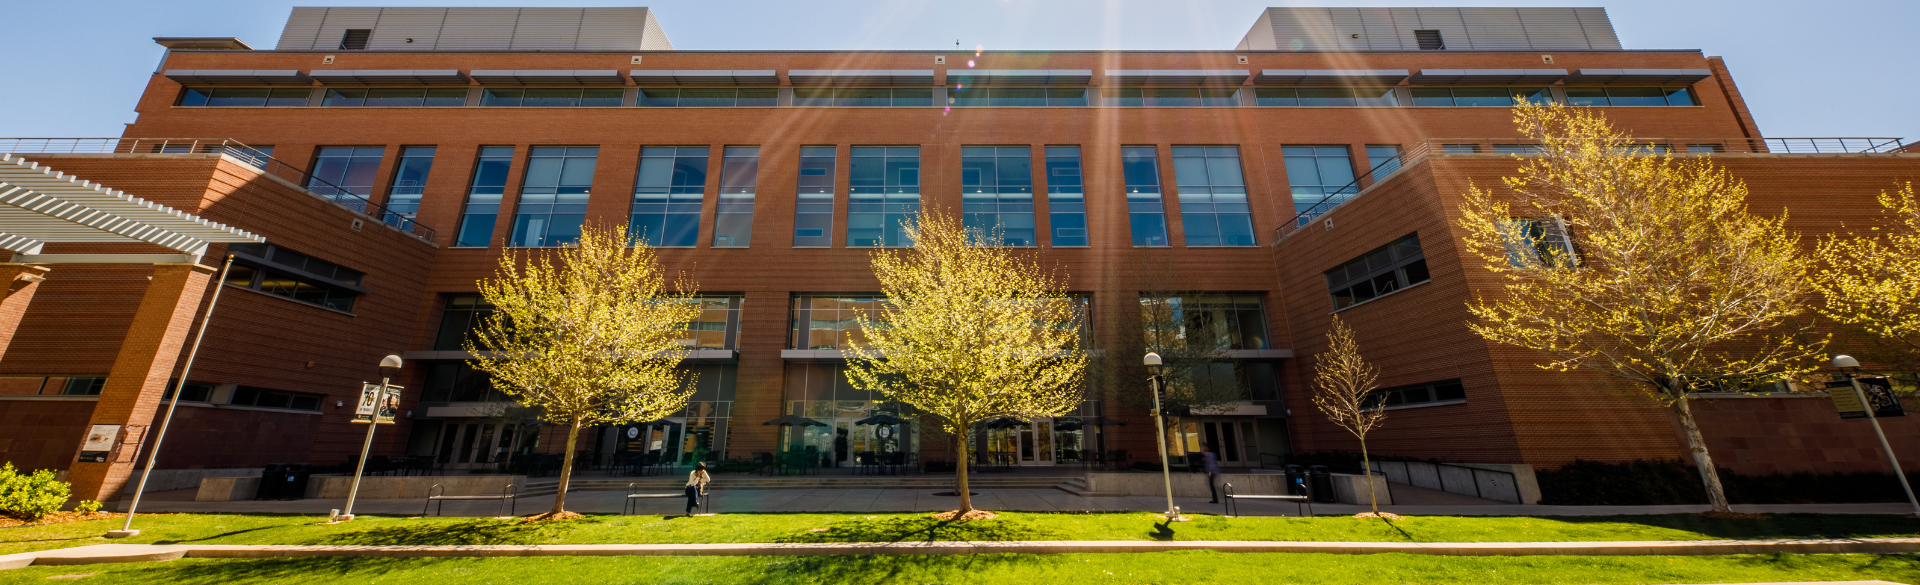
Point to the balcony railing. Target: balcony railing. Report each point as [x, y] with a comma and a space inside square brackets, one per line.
[232, 148]
[1524, 146]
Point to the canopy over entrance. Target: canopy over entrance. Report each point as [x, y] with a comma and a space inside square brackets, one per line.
[40, 206]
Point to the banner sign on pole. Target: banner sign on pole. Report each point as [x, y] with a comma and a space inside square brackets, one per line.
[1879, 392]
[372, 404]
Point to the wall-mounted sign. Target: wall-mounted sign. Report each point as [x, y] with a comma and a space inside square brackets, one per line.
[373, 404]
[98, 447]
[884, 431]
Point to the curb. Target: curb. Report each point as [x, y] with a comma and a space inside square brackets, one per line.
[127, 553]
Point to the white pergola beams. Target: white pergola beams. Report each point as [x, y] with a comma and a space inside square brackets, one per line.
[39, 206]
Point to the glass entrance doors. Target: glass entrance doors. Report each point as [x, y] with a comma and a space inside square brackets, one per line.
[1010, 443]
[1234, 440]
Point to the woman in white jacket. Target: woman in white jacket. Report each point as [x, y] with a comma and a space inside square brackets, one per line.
[696, 483]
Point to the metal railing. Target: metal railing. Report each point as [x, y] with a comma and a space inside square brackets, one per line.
[1524, 146]
[1491, 478]
[232, 148]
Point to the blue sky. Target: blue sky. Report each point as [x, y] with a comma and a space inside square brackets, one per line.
[1807, 69]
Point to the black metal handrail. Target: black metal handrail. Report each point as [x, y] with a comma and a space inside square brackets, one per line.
[1474, 472]
[232, 148]
[1523, 146]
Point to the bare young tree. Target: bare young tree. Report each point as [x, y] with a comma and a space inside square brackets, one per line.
[972, 332]
[587, 335]
[1343, 384]
[1623, 260]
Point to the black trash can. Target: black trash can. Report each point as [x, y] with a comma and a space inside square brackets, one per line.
[1322, 484]
[272, 480]
[295, 487]
[1296, 480]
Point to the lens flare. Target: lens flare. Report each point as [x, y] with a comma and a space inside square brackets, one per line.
[969, 63]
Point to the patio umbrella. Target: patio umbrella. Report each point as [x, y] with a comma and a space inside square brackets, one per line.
[796, 420]
[660, 423]
[1076, 423]
[1005, 423]
[881, 419]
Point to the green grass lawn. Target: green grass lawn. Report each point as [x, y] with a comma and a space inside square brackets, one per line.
[1171, 567]
[378, 530]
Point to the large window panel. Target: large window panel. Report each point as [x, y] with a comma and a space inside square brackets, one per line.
[1383, 271]
[284, 97]
[1066, 196]
[394, 97]
[1503, 97]
[1206, 321]
[553, 196]
[343, 171]
[1146, 211]
[1317, 172]
[667, 196]
[1629, 96]
[551, 97]
[863, 96]
[1325, 96]
[996, 193]
[282, 272]
[832, 321]
[708, 97]
[483, 197]
[1015, 97]
[409, 183]
[462, 315]
[884, 192]
[813, 205]
[1213, 196]
[733, 218]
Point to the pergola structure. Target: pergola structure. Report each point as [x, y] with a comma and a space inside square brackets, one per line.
[41, 206]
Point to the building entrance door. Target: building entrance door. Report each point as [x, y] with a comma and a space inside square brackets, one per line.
[1027, 444]
[1234, 441]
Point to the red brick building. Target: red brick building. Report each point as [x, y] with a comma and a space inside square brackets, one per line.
[429, 142]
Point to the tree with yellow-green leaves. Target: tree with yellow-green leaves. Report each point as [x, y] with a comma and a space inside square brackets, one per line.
[587, 335]
[1618, 258]
[1343, 385]
[1872, 283]
[972, 332]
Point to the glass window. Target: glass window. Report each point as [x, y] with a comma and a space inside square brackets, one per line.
[244, 96]
[392, 97]
[409, 182]
[462, 315]
[1325, 96]
[1066, 196]
[1205, 321]
[733, 218]
[813, 206]
[1444, 391]
[83, 385]
[717, 327]
[553, 196]
[708, 97]
[278, 271]
[1317, 172]
[667, 196]
[1384, 270]
[996, 193]
[1629, 96]
[1538, 242]
[1174, 97]
[832, 321]
[961, 96]
[483, 197]
[1479, 96]
[343, 171]
[884, 190]
[269, 398]
[1383, 160]
[1146, 211]
[1213, 196]
[863, 96]
[552, 97]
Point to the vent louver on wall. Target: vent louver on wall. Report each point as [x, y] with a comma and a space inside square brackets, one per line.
[1429, 40]
[355, 39]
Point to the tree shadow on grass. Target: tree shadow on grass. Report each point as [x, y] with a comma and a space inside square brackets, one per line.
[283, 570]
[1775, 526]
[487, 531]
[923, 529]
[888, 568]
[217, 536]
[1868, 566]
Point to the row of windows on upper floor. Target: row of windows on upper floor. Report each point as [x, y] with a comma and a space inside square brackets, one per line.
[822, 321]
[998, 191]
[724, 97]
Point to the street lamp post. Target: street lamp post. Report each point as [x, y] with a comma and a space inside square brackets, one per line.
[389, 366]
[1848, 363]
[1154, 381]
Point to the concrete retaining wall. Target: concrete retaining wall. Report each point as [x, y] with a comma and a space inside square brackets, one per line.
[227, 489]
[1352, 489]
[336, 486]
[1185, 485]
[182, 479]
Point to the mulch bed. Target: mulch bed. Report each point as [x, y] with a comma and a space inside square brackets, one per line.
[953, 515]
[57, 518]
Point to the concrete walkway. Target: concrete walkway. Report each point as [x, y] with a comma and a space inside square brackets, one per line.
[123, 553]
[910, 500]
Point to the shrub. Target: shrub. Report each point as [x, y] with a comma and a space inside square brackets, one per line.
[87, 507]
[28, 497]
[1672, 481]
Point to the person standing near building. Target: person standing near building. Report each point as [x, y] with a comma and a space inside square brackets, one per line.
[1212, 464]
[697, 485]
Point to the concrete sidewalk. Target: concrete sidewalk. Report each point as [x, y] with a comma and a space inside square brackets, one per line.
[908, 500]
[125, 553]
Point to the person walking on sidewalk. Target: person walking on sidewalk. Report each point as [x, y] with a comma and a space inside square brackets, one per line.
[697, 486]
[1212, 463]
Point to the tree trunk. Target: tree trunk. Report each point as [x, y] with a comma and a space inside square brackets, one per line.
[1366, 471]
[960, 475]
[1697, 444]
[566, 466]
